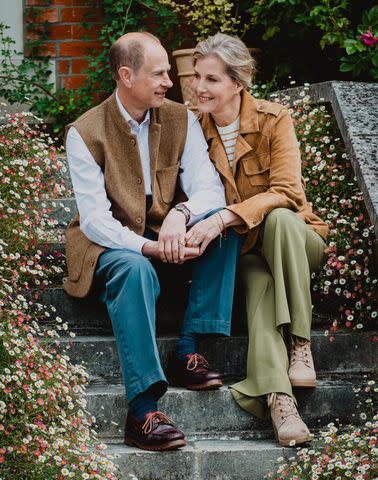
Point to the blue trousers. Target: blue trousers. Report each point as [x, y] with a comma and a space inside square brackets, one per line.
[129, 287]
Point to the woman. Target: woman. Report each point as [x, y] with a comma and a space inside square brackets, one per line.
[253, 146]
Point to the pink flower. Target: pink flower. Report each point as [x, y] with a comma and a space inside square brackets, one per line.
[368, 39]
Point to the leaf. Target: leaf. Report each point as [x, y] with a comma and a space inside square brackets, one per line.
[346, 67]
[374, 59]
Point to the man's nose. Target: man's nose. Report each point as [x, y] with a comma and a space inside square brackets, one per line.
[167, 81]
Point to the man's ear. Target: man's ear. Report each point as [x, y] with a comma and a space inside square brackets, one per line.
[125, 76]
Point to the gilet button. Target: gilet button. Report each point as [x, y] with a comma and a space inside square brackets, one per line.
[138, 180]
[133, 141]
[138, 220]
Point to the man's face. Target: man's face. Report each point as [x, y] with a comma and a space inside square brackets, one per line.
[149, 85]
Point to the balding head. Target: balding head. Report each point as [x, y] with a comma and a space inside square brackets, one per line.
[128, 51]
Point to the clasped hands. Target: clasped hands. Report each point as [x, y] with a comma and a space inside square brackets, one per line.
[176, 245]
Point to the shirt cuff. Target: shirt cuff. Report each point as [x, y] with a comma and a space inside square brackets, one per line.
[135, 243]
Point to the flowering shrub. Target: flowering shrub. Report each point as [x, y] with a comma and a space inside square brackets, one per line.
[208, 17]
[337, 453]
[45, 430]
[344, 287]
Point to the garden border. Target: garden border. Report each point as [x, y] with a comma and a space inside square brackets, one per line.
[358, 127]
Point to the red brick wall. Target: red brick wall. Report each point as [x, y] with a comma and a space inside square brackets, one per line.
[67, 40]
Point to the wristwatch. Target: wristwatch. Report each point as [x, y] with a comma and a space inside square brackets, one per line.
[180, 207]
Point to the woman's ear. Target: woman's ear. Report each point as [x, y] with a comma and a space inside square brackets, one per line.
[239, 87]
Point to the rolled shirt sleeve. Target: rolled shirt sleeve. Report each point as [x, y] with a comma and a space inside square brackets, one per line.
[96, 219]
[199, 179]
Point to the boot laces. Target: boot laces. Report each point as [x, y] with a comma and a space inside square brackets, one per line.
[300, 352]
[197, 360]
[153, 419]
[284, 404]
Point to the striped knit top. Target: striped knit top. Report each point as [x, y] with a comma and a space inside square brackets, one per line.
[228, 136]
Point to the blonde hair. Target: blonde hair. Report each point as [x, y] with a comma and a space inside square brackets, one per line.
[240, 66]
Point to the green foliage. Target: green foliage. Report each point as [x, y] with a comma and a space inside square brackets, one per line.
[120, 17]
[362, 57]
[208, 17]
[329, 23]
[27, 80]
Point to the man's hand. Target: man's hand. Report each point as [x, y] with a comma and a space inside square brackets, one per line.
[171, 239]
[203, 232]
[150, 249]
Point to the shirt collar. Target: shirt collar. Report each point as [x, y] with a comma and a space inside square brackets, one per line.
[127, 116]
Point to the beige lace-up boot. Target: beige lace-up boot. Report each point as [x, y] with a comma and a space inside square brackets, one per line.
[289, 428]
[301, 370]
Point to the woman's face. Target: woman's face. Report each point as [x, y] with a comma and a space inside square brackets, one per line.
[214, 88]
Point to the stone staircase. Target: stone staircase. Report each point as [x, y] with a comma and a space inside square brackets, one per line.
[224, 442]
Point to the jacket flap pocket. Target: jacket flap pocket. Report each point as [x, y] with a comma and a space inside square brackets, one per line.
[253, 165]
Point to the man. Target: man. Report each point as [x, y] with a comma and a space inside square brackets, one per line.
[126, 157]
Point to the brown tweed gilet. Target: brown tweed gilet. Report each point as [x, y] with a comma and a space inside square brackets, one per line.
[108, 137]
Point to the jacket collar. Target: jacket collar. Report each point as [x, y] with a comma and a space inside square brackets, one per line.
[248, 118]
[248, 124]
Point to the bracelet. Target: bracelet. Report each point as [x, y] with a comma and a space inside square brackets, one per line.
[220, 225]
[223, 225]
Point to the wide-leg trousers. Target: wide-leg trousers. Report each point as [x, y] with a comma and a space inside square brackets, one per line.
[278, 297]
[129, 286]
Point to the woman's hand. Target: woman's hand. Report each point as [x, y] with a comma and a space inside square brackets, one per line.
[203, 232]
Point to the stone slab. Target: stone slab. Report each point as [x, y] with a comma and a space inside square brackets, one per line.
[354, 105]
[347, 353]
[88, 316]
[201, 460]
[333, 398]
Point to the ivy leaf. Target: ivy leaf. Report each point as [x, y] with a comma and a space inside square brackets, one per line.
[346, 67]
[374, 59]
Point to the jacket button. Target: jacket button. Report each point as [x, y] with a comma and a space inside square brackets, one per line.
[138, 180]
[138, 220]
[235, 200]
[133, 141]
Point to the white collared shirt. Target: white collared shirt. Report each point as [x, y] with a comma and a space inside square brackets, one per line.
[198, 179]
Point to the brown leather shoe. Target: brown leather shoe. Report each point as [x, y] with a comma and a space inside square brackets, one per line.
[194, 373]
[156, 433]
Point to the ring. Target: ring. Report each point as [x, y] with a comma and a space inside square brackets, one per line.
[181, 242]
[196, 242]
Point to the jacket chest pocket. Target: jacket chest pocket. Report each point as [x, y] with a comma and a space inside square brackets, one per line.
[254, 174]
[167, 181]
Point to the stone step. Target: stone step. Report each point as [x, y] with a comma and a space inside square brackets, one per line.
[214, 412]
[348, 353]
[88, 316]
[226, 459]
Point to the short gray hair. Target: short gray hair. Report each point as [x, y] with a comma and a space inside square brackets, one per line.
[240, 66]
[127, 54]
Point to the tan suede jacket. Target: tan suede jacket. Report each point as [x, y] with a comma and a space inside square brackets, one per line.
[266, 168]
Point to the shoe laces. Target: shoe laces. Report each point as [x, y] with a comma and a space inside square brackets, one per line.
[284, 404]
[153, 419]
[196, 360]
[300, 352]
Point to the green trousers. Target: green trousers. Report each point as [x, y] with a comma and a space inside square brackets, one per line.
[278, 298]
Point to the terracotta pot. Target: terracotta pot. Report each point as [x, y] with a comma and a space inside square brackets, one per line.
[184, 62]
